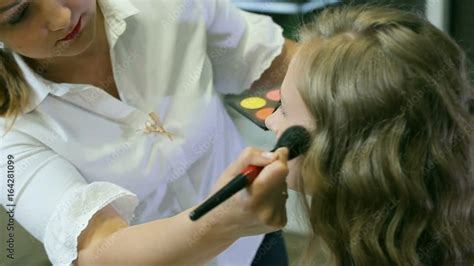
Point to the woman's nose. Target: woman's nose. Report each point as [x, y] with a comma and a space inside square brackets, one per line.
[269, 122]
[59, 17]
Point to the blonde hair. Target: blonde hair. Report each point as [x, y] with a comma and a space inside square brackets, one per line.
[14, 91]
[391, 162]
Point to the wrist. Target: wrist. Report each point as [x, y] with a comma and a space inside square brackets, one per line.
[215, 228]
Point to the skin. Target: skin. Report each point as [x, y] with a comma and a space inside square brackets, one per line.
[292, 112]
[37, 35]
[108, 240]
[259, 209]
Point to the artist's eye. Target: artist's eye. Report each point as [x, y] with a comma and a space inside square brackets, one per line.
[19, 14]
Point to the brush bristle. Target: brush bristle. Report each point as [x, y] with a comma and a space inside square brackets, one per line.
[296, 139]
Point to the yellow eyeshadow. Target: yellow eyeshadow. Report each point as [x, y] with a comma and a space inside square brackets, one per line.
[253, 103]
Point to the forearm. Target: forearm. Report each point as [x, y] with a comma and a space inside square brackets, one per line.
[172, 241]
[108, 240]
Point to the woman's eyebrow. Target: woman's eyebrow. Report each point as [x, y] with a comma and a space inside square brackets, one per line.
[10, 6]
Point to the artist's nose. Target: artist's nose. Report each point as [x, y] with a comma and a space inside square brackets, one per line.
[59, 16]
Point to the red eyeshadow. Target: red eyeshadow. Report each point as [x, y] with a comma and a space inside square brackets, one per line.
[255, 104]
[274, 95]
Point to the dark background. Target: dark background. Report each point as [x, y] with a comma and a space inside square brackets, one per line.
[462, 28]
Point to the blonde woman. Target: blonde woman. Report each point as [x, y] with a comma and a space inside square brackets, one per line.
[390, 168]
[113, 128]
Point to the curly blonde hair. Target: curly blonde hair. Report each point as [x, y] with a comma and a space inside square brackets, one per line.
[391, 162]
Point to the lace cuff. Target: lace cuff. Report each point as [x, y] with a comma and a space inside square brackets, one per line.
[74, 212]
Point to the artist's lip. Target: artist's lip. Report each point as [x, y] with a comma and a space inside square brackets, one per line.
[74, 32]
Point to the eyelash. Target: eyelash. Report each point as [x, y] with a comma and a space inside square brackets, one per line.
[18, 16]
[278, 106]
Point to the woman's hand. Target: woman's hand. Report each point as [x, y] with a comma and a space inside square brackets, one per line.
[260, 208]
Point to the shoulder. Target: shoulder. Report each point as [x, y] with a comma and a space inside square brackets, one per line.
[32, 128]
[165, 12]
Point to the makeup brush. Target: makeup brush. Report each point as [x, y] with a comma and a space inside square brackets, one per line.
[295, 138]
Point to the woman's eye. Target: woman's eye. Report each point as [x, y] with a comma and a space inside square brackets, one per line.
[19, 14]
[277, 106]
[280, 108]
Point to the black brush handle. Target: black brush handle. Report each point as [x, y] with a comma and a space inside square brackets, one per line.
[236, 184]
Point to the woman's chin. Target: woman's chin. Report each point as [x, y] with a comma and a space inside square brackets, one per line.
[293, 179]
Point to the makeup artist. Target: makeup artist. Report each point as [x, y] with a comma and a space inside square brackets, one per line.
[111, 113]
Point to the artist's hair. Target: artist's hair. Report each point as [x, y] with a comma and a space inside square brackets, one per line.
[14, 91]
[391, 163]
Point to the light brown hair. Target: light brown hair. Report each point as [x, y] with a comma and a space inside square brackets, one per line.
[391, 162]
[14, 91]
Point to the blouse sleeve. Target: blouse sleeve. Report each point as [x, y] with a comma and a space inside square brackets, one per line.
[240, 45]
[48, 196]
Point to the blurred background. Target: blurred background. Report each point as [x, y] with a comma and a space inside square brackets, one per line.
[455, 17]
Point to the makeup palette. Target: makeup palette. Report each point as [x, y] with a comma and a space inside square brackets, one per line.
[255, 104]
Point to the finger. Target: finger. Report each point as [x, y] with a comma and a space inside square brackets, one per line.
[275, 171]
[283, 154]
[266, 197]
[270, 183]
[250, 156]
[273, 215]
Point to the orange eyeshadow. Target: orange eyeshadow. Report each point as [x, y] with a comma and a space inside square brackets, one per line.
[255, 104]
[262, 114]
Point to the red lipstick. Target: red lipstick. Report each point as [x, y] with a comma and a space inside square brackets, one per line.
[73, 34]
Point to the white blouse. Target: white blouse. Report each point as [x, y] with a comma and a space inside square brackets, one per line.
[77, 148]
